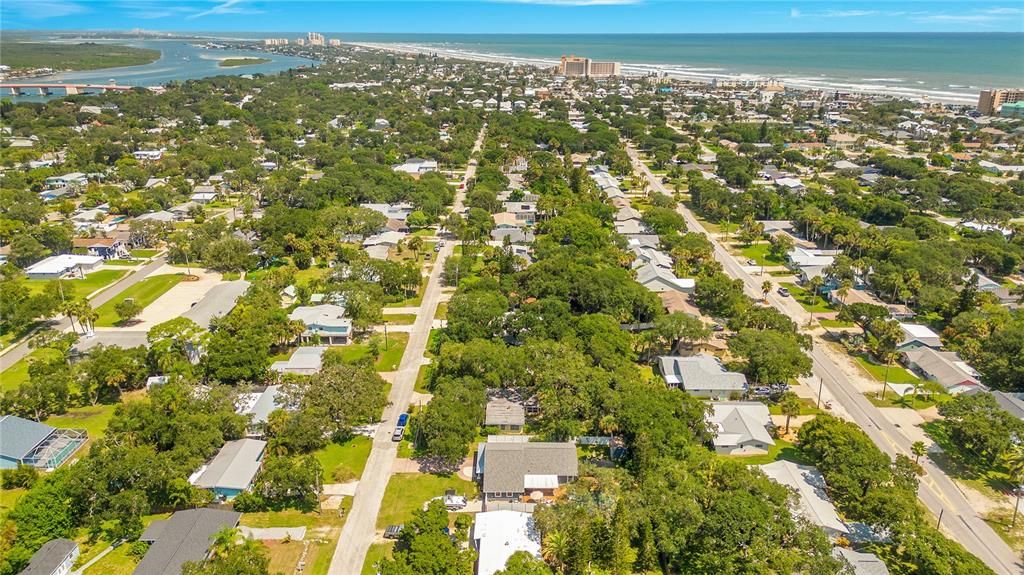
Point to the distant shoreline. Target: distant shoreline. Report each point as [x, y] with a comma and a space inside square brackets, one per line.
[683, 72]
[237, 62]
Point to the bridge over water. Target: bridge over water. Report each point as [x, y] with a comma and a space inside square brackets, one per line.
[44, 89]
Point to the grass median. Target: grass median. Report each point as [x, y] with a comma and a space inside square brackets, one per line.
[145, 292]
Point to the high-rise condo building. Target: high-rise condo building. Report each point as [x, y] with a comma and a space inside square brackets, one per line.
[989, 101]
[315, 39]
[575, 66]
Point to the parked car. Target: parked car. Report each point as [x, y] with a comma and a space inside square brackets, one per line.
[783, 292]
[751, 262]
[393, 531]
[403, 420]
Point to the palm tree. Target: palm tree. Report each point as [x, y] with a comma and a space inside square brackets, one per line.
[1013, 461]
[844, 290]
[223, 541]
[766, 288]
[554, 549]
[790, 407]
[918, 449]
[69, 308]
[87, 316]
[815, 284]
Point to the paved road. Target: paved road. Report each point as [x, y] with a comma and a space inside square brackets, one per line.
[14, 353]
[361, 526]
[938, 492]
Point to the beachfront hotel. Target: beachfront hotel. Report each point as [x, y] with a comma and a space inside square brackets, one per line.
[575, 66]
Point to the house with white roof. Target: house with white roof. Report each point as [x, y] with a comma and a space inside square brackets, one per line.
[701, 375]
[943, 367]
[813, 502]
[416, 166]
[304, 361]
[326, 323]
[741, 427]
[659, 279]
[645, 255]
[861, 563]
[258, 405]
[916, 336]
[56, 267]
[498, 534]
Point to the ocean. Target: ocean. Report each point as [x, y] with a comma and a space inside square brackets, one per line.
[948, 67]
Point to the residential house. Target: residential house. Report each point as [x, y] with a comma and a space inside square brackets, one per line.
[185, 537]
[203, 195]
[106, 248]
[630, 227]
[1013, 403]
[59, 266]
[304, 361]
[74, 179]
[232, 470]
[27, 442]
[656, 258]
[741, 427]
[505, 414]
[628, 213]
[861, 563]
[944, 367]
[525, 212]
[515, 235]
[659, 279]
[916, 336]
[218, 302]
[810, 262]
[839, 141]
[160, 216]
[702, 375]
[55, 557]
[416, 166]
[148, 155]
[398, 212]
[326, 323]
[512, 471]
[498, 534]
[813, 503]
[258, 405]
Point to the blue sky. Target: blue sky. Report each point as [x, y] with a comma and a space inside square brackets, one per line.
[517, 16]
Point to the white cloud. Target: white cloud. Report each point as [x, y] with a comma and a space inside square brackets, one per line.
[794, 13]
[1003, 11]
[849, 13]
[226, 7]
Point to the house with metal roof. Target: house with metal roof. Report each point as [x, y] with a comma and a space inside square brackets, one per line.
[498, 534]
[58, 266]
[701, 375]
[916, 336]
[813, 502]
[27, 442]
[55, 557]
[659, 279]
[258, 405]
[861, 563]
[185, 537]
[944, 367]
[325, 323]
[741, 427]
[304, 361]
[513, 471]
[232, 470]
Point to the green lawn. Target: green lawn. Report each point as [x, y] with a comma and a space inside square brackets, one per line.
[17, 374]
[145, 292]
[117, 562]
[377, 552]
[8, 497]
[400, 318]
[93, 419]
[407, 492]
[836, 323]
[421, 379]
[413, 301]
[144, 253]
[123, 262]
[285, 518]
[442, 311]
[980, 474]
[806, 408]
[80, 288]
[433, 343]
[897, 374]
[760, 253]
[813, 304]
[781, 450]
[388, 360]
[345, 461]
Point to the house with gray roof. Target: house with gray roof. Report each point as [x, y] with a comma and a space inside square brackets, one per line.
[505, 414]
[812, 499]
[258, 405]
[232, 470]
[27, 442]
[512, 471]
[304, 361]
[659, 279]
[1013, 403]
[325, 323]
[741, 427]
[861, 563]
[218, 302]
[646, 255]
[55, 557]
[701, 375]
[185, 537]
[944, 367]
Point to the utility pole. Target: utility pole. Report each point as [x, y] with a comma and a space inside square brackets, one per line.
[821, 383]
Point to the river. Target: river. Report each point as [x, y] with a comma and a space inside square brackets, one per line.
[179, 60]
